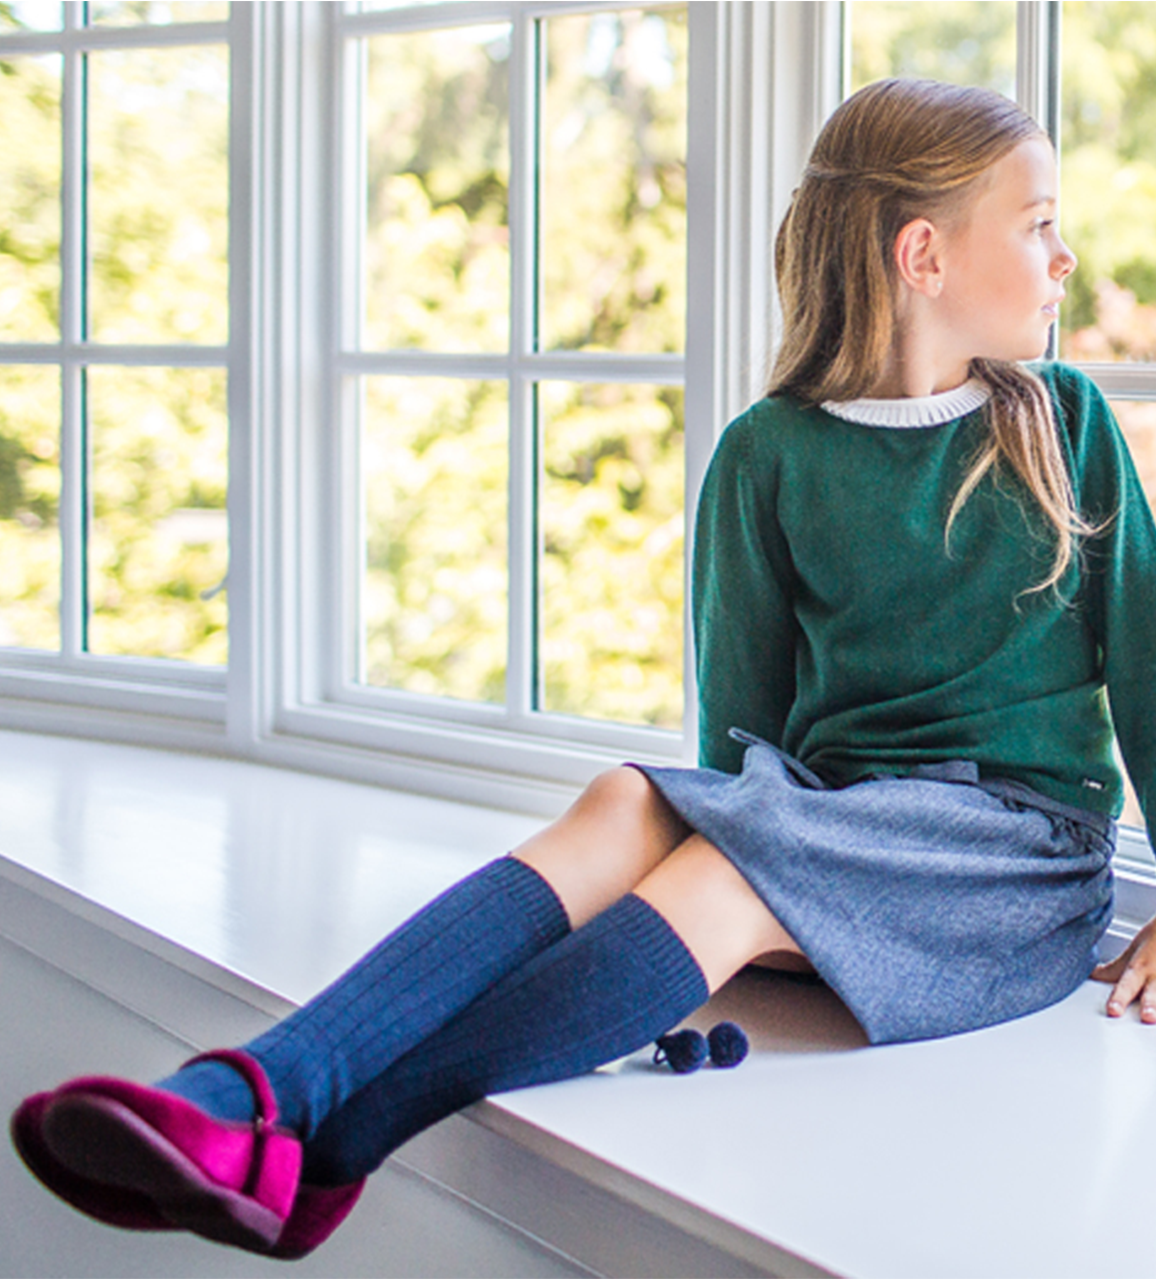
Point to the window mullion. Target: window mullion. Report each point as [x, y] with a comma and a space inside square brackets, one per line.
[347, 665]
[525, 106]
[73, 514]
[1038, 62]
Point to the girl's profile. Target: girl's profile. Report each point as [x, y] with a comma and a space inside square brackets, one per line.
[924, 600]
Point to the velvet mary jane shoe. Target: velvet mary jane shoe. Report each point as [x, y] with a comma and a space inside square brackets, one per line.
[146, 1160]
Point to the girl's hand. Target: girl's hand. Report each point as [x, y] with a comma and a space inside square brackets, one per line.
[1134, 974]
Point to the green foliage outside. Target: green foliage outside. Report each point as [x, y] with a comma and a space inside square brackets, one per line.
[433, 465]
[612, 278]
[157, 199]
[960, 41]
[612, 567]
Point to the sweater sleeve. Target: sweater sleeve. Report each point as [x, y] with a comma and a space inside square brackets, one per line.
[745, 629]
[1120, 568]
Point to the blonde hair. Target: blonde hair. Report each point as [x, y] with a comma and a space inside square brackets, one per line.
[894, 151]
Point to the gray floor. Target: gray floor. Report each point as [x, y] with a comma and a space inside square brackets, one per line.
[56, 1027]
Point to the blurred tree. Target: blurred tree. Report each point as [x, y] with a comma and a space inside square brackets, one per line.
[612, 278]
[157, 200]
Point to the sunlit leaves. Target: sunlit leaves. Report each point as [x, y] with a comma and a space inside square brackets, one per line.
[30, 199]
[158, 203]
[612, 568]
[29, 497]
[433, 463]
[159, 529]
[613, 238]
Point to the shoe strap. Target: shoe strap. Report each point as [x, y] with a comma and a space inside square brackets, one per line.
[251, 1071]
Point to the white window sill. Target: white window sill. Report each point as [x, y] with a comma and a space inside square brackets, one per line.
[1005, 1152]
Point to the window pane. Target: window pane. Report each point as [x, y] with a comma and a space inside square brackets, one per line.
[436, 273]
[433, 462]
[159, 538]
[960, 41]
[1108, 179]
[31, 15]
[133, 11]
[1137, 419]
[613, 217]
[30, 199]
[29, 497]
[611, 520]
[158, 197]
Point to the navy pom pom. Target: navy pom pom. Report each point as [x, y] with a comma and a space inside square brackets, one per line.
[683, 1051]
[728, 1044]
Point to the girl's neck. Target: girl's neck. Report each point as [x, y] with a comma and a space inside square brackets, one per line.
[904, 379]
[924, 359]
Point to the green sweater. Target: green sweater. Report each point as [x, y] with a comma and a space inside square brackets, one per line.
[831, 620]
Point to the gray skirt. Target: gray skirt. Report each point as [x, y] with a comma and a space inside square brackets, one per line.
[932, 903]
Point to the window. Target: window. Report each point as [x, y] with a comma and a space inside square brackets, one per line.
[114, 340]
[1087, 70]
[451, 301]
[512, 365]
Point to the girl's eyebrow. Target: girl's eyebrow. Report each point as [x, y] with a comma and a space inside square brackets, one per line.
[1044, 199]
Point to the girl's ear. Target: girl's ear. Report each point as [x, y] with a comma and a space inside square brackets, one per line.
[918, 257]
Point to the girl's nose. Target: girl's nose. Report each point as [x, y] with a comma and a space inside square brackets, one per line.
[1064, 262]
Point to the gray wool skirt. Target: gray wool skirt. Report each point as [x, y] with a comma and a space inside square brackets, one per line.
[932, 903]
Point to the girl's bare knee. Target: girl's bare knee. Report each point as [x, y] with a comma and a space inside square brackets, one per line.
[630, 796]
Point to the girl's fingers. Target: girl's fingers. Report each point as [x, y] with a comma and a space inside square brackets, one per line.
[1111, 969]
[1125, 991]
[1148, 1001]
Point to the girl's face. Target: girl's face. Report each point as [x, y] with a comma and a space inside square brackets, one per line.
[1005, 264]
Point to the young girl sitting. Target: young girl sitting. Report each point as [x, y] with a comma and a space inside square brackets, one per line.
[920, 572]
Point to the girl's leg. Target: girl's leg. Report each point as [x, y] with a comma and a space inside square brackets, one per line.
[606, 843]
[447, 955]
[628, 976]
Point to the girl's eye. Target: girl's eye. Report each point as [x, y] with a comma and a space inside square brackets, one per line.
[1041, 224]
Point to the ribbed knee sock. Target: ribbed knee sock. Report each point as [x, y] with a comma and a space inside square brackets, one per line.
[408, 986]
[609, 988]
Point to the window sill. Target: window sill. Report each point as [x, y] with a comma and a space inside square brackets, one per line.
[1001, 1152]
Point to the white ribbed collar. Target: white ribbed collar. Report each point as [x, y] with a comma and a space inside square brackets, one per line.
[914, 411]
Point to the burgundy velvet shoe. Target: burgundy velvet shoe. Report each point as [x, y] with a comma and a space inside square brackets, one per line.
[146, 1160]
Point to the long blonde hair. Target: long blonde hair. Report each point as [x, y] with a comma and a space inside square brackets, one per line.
[894, 151]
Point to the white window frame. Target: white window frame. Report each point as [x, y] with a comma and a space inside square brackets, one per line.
[763, 77]
[512, 755]
[40, 689]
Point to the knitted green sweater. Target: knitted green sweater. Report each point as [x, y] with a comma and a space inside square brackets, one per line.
[832, 620]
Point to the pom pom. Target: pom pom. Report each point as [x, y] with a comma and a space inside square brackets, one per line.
[682, 1051]
[728, 1044]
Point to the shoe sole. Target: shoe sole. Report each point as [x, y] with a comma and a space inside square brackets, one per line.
[105, 1141]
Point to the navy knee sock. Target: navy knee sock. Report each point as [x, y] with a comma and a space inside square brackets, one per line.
[609, 988]
[407, 987]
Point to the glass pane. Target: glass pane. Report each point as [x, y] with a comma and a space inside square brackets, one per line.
[133, 11]
[30, 199]
[32, 15]
[613, 218]
[1137, 419]
[29, 498]
[611, 578]
[158, 196]
[433, 462]
[960, 41]
[159, 541]
[1108, 180]
[437, 273]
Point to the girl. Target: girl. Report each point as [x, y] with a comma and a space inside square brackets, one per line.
[919, 570]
